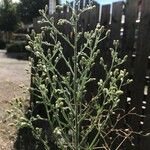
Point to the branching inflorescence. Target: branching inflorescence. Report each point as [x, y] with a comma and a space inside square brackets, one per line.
[76, 123]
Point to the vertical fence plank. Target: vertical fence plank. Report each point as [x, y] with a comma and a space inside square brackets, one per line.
[117, 10]
[131, 14]
[131, 11]
[141, 67]
[94, 16]
[105, 15]
[130, 24]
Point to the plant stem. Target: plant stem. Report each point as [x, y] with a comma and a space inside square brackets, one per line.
[76, 86]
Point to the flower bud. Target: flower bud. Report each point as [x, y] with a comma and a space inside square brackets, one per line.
[28, 48]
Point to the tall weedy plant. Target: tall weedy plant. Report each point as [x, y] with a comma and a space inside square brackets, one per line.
[76, 123]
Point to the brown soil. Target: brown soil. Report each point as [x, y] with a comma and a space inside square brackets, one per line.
[12, 75]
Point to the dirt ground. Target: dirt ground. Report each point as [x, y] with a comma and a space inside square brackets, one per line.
[12, 77]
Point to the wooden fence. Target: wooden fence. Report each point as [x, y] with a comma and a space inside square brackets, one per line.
[130, 23]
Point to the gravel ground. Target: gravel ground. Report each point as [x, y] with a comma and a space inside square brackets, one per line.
[12, 75]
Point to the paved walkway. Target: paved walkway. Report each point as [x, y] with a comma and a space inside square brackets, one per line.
[12, 75]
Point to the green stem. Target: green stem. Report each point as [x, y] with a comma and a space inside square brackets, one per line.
[76, 134]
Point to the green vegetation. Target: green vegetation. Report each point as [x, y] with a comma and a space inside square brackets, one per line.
[8, 16]
[73, 122]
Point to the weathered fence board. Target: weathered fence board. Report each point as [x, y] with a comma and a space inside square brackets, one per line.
[117, 10]
[143, 52]
[105, 15]
[131, 13]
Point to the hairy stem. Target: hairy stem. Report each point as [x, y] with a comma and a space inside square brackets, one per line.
[76, 86]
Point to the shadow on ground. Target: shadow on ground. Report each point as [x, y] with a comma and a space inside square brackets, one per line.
[19, 56]
[26, 141]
